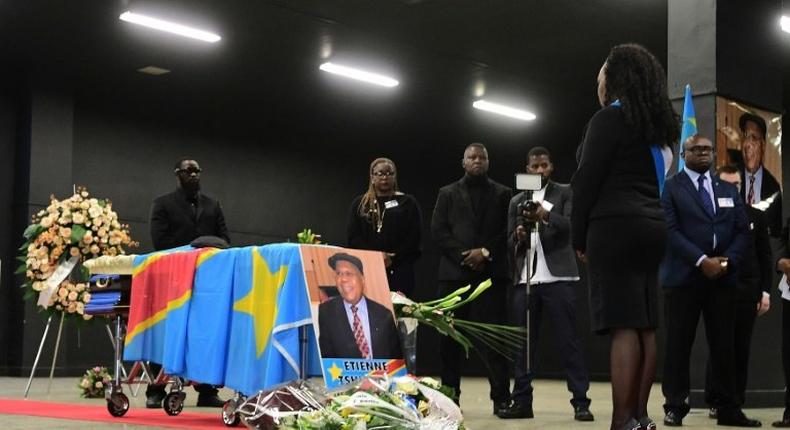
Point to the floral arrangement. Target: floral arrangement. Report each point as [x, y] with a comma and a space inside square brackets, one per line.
[307, 236]
[379, 402]
[438, 314]
[58, 239]
[93, 382]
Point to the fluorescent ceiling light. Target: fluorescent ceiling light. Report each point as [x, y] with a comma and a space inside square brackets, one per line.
[504, 110]
[170, 27]
[360, 75]
[153, 70]
[785, 23]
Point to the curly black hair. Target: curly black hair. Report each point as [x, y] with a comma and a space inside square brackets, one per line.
[636, 78]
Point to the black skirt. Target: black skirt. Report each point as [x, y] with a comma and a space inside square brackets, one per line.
[623, 256]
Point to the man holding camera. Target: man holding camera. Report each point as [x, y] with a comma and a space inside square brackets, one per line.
[543, 265]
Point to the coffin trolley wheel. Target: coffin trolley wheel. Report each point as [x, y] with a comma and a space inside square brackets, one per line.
[229, 415]
[174, 403]
[118, 404]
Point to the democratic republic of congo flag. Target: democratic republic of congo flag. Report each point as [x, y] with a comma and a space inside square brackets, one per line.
[159, 307]
[270, 304]
[689, 127]
[208, 327]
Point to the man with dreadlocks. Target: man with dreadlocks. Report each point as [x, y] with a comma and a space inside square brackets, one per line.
[387, 220]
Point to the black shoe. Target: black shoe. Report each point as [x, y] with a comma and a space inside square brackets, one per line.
[785, 422]
[154, 400]
[516, 410]
[582, 413]
[210, 401]
[713, 413]
[646, 423]
[737, 419]
[673, 419]
[498, 406]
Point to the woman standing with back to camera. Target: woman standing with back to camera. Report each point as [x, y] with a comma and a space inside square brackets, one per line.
[617, 221]
[387, 220]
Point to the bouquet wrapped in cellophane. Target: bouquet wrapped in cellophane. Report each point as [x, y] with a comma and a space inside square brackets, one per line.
[380, 402]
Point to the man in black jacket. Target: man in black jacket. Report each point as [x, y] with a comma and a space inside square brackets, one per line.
[553, 284]
[177, 219]
[752, 295]
[469, 226]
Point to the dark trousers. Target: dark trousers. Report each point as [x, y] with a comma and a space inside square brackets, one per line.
[159, 390]
[556, 300]
[489, 307]
[682, 309]
[745, 314]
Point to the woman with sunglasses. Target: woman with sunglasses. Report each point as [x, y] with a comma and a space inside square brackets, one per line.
[387, 220]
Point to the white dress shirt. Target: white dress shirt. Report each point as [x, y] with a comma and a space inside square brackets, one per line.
[542, 273]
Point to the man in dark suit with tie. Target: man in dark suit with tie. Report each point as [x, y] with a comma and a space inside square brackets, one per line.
[553, 284]
[469, 225]
[760, 188]
[752, 295]
[177, 219]
[708, 235]
[352, 325]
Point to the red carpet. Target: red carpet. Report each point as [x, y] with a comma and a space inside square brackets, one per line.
[136, 416]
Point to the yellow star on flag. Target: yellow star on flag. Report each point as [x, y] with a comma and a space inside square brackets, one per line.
[261, 301]
[335, 371]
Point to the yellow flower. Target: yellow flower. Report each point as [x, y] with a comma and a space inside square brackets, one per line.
[38, 285]
[65, 231]
[86, 297]
[87, 317]
[80, 308]
[72, 296]
[72, 308]
[78, 218]
[98, 384]
[95, 249]
[63, 292]
[74, 251]
[46, 222]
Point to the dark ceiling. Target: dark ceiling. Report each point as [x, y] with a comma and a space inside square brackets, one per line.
[540, 55]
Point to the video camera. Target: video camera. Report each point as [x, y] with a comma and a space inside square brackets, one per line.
[530, 183]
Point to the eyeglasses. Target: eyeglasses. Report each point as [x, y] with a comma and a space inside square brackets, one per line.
[190, 170]
[700, 150]
[753, 137]
[383, 174]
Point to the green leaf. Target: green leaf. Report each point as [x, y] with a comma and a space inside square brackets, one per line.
[102, 202]
[21, 269]
[85, 274]
[24, 246]
[29, 294]
[77, 233]
[32, 231]
[22, 258]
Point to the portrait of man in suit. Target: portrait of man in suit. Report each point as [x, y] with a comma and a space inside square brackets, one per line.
[352, 325]
[760, 187]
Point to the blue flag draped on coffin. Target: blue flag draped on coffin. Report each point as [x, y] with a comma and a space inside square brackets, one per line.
[159, 307]
[270, 303]
[209, 316]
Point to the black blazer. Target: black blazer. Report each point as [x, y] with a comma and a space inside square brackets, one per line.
[769, 187]
[616, 176]
[555, 237]
[173, 222]
[756, 269]
[455, 228]
[691, 231]
[336, 337]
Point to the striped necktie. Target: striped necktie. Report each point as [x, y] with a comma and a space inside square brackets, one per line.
[359, 334]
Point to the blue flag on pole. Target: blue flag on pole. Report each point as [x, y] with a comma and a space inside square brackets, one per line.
[689, 124]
